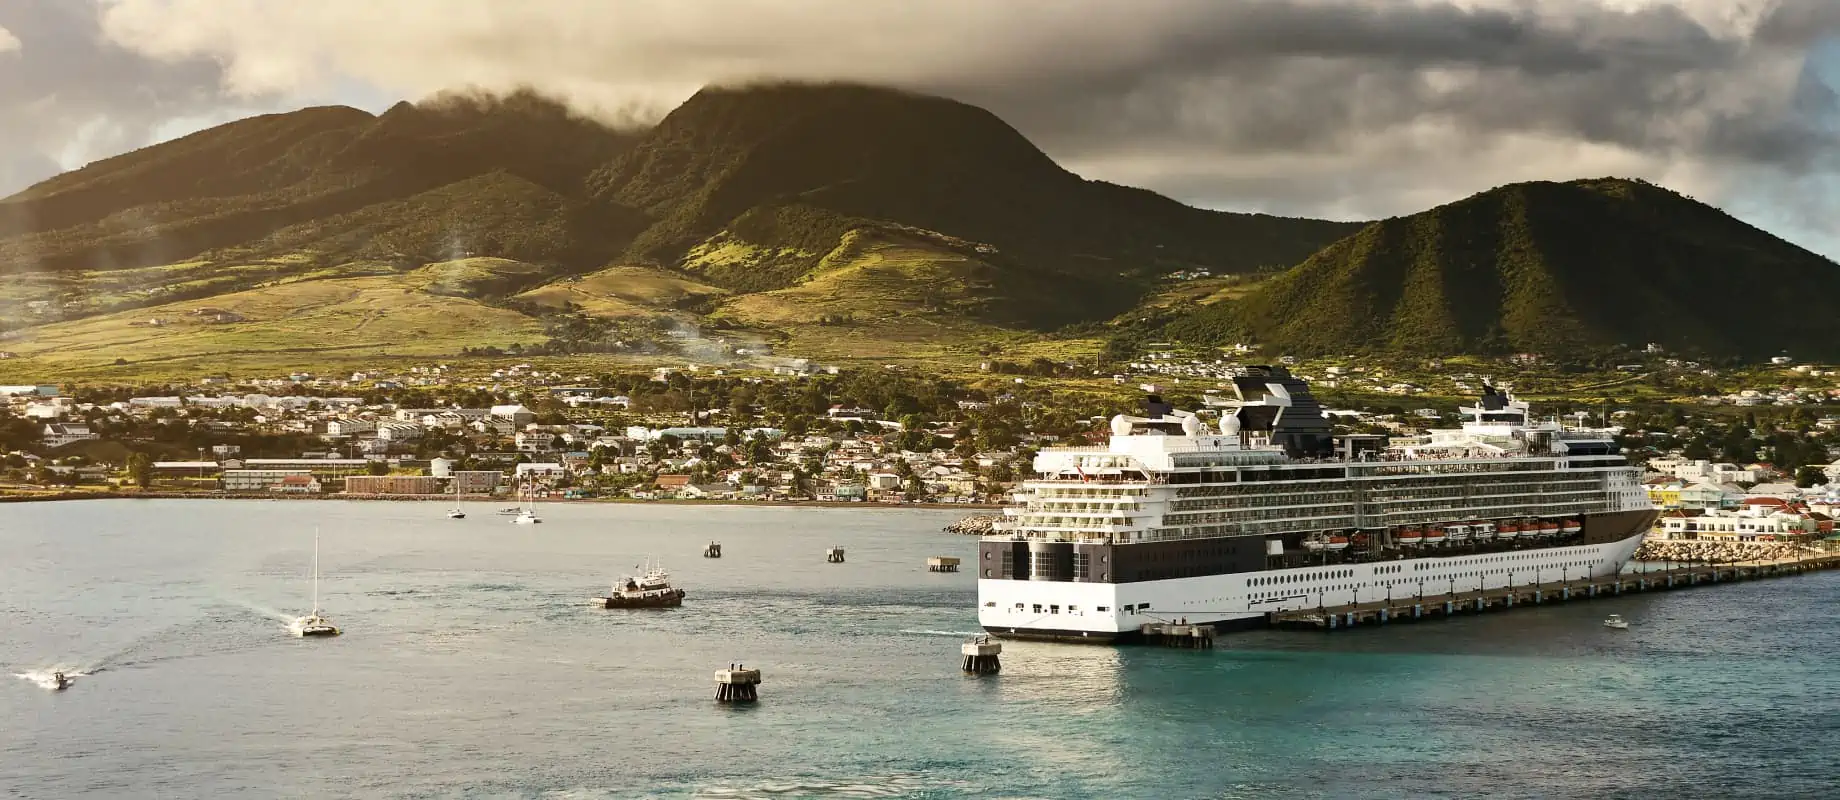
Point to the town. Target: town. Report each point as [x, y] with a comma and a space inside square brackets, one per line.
[1723, 466]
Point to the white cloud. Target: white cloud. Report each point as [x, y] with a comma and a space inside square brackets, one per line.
[8, 42]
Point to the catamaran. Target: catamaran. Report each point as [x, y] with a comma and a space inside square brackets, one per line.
[314, 624]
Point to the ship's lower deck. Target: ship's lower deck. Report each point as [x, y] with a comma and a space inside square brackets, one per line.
[1103, 613]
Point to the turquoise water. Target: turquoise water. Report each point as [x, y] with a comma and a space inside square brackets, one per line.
[472, 667]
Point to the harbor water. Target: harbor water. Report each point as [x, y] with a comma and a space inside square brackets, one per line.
[472, 666]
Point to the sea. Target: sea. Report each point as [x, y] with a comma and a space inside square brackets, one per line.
[472, 666]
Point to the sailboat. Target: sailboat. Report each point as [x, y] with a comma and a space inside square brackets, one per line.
[313, 624]
[527, 515]
[455, 512]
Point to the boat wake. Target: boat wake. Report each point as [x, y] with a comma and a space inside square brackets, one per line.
[869, 787]
[955, 634]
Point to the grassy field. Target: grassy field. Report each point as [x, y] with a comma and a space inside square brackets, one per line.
[626, 291]
[298, 324]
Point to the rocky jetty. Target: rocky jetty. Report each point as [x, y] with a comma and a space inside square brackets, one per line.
[1698, 552]
[974, 525]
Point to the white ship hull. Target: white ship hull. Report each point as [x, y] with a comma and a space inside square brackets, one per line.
[1108, 612]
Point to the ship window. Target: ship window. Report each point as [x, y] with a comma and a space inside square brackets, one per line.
[1054, 609]
[1038, 608]
[987, 573]
[1105, 608]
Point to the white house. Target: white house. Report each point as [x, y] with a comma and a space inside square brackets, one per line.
[517, 414]
[60, 434]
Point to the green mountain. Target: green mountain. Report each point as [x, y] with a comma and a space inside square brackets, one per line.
[1554, 268]
[772, 179]
[859, 205]
[416, 183]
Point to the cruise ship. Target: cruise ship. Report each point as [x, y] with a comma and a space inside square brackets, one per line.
[1267, 510]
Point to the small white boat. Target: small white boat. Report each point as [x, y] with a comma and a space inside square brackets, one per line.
[510, 511]
[527, 515]
[1616, 621]
[313, 624]
[455, 512]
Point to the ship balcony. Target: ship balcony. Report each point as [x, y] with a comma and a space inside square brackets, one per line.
[1081, 507]
[1082, 526]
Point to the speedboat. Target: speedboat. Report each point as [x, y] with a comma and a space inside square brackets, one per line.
[511, 511]
[526, 517]
[1616, 621]
[59, 681]
[456, 514]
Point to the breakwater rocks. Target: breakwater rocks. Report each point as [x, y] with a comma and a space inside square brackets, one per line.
[974, 525]
[1698, 552]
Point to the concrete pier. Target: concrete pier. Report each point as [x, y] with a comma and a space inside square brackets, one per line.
[714, 550]
[737, 684]
[1412, 608]
[834, 555]
[942, 564]
[1179, 634]
[981, 655]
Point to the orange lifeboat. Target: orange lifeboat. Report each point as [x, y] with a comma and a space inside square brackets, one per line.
[1507, 530]
[1549, 528]
[1434, 535]
[1410, 536]
[1572, 527]
[1337, 543]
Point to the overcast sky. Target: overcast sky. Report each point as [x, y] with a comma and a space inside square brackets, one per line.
[1335, 108]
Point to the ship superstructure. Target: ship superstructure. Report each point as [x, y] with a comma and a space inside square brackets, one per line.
[1267, 510]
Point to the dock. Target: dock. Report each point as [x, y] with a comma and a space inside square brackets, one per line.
[1443, 605]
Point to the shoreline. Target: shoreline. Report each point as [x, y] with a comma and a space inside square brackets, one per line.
[47, 497]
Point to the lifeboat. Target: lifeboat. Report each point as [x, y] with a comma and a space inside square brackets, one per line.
[1482, 531]
[1507, 530]
[1434, 535]
[1572, 527]
[1409, 536]
[1337, 543]
[1549, 528]
[1457, 533]
[1314, 545]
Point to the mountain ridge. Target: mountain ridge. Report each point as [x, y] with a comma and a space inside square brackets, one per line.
[1545, 267]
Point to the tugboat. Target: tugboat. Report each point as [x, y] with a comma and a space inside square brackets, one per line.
[650, 590]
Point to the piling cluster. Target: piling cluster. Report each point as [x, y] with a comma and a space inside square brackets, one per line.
[737, 684]
[1178, 634]
[981, 655]
[714, 550]
[942, 564]
[834, 555]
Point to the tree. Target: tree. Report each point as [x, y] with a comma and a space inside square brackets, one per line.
[1810, 476]
[377, 468]
[140, 469]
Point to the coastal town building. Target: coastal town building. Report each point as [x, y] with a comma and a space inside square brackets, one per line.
[258, 480]
[394, 484]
